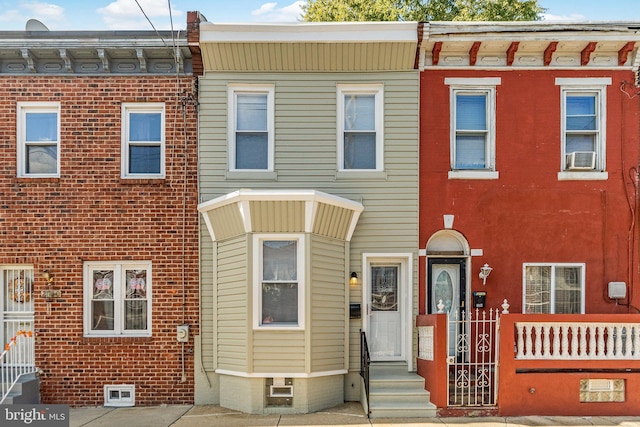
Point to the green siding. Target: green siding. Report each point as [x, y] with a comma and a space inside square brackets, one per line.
[278, 351]
[328, 304]
[305, 158]
[233, 302]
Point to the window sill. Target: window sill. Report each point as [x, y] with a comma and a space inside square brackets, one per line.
[33, 179]
[142, 181]
[274, 327]
[468, 174]
[115, 339]
[360, 174]
[583, 176]
[249, 175]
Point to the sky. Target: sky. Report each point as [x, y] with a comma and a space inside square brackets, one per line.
[72, 15]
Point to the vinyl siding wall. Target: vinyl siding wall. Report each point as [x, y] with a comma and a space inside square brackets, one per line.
[233, 300]
[328, 304]
[306, 158]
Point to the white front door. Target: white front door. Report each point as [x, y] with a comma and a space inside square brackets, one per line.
[17, 313]
[447, 286]
[386, 329]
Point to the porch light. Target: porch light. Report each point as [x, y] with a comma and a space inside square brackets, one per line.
[354, 278]
[485, 271]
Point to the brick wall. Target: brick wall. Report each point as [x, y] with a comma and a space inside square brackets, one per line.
[91, 214]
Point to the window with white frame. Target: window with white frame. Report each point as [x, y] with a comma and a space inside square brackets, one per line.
[553, 288]
[38, 139]
[251, 134]
[279, 282]
[117, 298]
[583, 123]
[473, 122]
[360, 127]
[143, 140]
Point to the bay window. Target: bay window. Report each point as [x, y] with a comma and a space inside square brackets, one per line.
[279, 294]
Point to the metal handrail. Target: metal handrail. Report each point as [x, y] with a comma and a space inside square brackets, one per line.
[16, 361]
[365, 362]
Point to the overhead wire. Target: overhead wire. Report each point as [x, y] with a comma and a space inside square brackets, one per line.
[184, 99]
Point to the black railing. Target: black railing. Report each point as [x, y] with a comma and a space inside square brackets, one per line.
[365, 361]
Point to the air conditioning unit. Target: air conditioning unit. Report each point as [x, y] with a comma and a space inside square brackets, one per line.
[581, 161]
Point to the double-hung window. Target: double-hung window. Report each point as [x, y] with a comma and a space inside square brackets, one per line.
[38, 139]
[251, 134]
[473, 116]
[360, 127]
[117, 298]
[553, 288]
[279, 284]
[143, 140]
[583, 127]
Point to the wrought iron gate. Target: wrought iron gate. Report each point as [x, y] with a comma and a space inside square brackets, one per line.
[473, 375]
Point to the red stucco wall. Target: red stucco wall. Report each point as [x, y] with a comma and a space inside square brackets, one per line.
[552, 387]
[527, 215]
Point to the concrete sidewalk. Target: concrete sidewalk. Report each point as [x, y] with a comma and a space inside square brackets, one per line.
[349, 414]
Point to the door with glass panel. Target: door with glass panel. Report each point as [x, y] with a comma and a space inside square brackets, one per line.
[385, 312]
[17, 313]
[447, 285]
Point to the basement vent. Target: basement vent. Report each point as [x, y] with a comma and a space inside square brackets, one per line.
[602, 390]
[120, 395]
[600, 385]
[279, 392]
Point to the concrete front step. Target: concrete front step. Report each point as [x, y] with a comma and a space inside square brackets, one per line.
[26, 390]
[406, 410]
[395, 392]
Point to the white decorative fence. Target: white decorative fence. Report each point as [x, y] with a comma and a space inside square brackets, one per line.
[576, 340]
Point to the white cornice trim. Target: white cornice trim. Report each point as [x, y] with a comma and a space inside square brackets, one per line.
[316, 32]
[280, 195]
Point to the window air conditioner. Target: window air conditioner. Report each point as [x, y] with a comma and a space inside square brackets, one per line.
[581, 161]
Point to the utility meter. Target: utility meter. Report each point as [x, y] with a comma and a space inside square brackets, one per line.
[182, 333]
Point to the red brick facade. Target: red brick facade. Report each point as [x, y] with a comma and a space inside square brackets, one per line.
[90, 213]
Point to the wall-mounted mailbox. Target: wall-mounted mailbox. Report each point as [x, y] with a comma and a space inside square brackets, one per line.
[354, 311]
[479, 299]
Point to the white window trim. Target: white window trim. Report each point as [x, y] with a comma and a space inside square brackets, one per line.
[257, 281]
[269, 90]
[361, 89]
[119, 268]
[552, 300]
[148, 107]
[577, 85]
[22, 109]
[481, 85]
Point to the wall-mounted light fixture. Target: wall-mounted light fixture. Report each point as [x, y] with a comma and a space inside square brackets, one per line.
[485, 271]
[353, 280]
[49, 293]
